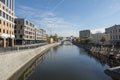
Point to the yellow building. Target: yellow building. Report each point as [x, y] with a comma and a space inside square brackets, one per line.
[6, 23]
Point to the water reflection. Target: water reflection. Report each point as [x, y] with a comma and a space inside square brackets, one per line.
[27, 73]
[69, 62]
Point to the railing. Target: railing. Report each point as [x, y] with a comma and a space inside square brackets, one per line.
[21, 47]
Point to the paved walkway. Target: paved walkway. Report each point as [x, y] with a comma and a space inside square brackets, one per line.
[11, 63]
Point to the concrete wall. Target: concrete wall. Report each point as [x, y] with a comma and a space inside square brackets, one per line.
[11, 63]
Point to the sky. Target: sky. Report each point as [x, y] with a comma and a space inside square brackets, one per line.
[68, 17]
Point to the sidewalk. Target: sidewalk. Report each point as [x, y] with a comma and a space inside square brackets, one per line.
[14, 61]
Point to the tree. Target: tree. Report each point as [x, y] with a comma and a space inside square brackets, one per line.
[55, 37]
[102, 39]
[78, 40]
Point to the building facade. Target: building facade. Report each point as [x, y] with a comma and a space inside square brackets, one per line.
[98, 36]
[38, 35]
[84, 34]
[44, 35]
[6, 23]
[114, 32]
[24, 32]
[27, 33]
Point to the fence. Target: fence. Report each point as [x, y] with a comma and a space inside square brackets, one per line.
[21, 47]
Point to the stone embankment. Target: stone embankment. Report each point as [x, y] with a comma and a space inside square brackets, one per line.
[14, 61]
[106, 51]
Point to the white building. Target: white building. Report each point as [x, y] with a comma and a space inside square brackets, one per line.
[114, 32]
[24, 31]
[98, 36]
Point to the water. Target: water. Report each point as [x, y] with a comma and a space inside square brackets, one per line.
[69, 62]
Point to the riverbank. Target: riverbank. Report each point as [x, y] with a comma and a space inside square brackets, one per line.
[108, 51]
[13, 62]
[112, 54]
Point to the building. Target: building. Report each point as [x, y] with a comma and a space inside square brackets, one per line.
[39, 35]
[84, 34]
[98, 36]
[44, 35]
[114, 32]
[6, 23]
[25, 31]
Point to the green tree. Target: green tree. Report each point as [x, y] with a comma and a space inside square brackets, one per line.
[78, 40]
[102, 39]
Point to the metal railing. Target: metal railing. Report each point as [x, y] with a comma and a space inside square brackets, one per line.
[21, 47]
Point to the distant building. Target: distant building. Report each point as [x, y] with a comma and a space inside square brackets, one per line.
[114, 32]
[98, 36]
[6, 23]
[24, 31]
[38, 36]
[84, 34]
[44, 35]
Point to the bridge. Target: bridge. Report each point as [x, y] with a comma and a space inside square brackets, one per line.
[62, 42]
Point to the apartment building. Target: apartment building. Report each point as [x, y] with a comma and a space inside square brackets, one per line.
[38, 35]
[114, 32]
[27, 33]
[24, 31]
[6, 23]
[44, 35]
[84, 34]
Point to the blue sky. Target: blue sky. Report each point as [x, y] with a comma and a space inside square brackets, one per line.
[68, 17]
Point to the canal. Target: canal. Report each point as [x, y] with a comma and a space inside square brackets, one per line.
[69, 62]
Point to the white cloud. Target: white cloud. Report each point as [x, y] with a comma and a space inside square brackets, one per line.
[99, 30]
[48, 20]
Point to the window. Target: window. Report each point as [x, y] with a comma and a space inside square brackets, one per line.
[3, 14]
[3, 8]
[15, 31]
[7, 24]
[15, 22]
[18, 22]
[10, 25]
[3, 31]
[7, 16]
[15, 26]
[26, 22]
[20, 36]
[21, 26]
[4, 23]
[7, 31]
